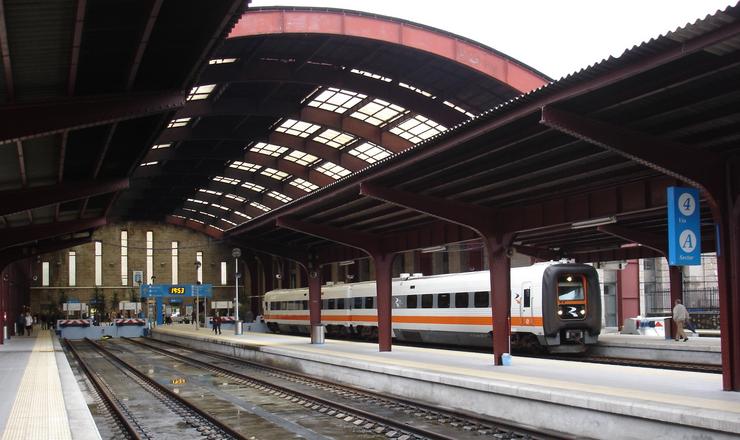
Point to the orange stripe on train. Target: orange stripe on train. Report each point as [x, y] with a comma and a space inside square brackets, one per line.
[456, 320]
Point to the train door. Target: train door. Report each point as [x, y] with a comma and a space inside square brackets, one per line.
[610, 304]
[526, 311]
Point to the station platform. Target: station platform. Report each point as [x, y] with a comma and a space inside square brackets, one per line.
[39, 395]
[697, 350]
[584, 400]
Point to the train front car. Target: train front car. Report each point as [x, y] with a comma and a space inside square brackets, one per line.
[571, 307]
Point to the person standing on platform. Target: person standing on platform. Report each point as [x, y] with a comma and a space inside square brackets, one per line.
[680, 316]
[21, 322]
[216, 324]
[29, 323]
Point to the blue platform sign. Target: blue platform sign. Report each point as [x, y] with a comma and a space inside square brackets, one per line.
[684, 233]
[176, 290]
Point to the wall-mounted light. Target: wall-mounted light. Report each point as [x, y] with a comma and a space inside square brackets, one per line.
[429, 250]
[592, 223]
[278, 276]
[347, 263]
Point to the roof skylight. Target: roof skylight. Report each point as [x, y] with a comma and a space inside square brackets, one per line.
[197, 201]
[371, 75]
[228, 180]
[228, 221]
[378, 112]
[246, 166]
[243, 215]
[260, 206]
[458, 108]
[333, 170]
[253, 187]
[207, 213]
[305, 185]
[222, 61]
[275, 174]
[336, 100]
[235, 197]
[301, 158]
[209, 191]
[200, 92]
[369, 152]
[180, 122]
[268, 149]
[148, 164]
[417, 129]
[334, 138]
[280, 196]
[160, 146]
[219, 207]
[297, 128]
[416, 89]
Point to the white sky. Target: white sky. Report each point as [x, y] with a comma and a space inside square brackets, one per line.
[557, 37]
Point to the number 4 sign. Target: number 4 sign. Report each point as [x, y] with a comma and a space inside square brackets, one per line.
[684, 233]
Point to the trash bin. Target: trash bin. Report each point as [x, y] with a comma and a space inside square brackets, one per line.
[317, 334]
[238, 330]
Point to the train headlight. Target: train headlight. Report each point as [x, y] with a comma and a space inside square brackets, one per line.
[560, 312]
[583, 311]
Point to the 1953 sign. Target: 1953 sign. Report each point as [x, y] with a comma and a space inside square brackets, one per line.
[177, 290]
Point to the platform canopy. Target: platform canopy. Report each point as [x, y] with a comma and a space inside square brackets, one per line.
[85, 86]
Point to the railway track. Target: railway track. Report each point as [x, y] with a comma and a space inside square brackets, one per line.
[135, 416]
[389, 417]
[643, 363]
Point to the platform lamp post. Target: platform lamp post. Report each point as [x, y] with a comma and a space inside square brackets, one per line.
[197, 296]
[236, 253]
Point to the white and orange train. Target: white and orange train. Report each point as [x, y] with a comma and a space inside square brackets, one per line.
[554, 306]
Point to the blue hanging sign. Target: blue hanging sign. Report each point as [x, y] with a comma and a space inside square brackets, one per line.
[684, 233]
[176, 290]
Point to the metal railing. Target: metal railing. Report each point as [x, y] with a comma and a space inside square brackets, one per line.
[696, 300]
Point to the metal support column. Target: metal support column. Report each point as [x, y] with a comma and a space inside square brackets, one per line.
[499, 266]
[384, 280]
[728, 272]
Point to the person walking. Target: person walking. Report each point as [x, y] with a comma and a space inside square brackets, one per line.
[680, 316]
[21, 323]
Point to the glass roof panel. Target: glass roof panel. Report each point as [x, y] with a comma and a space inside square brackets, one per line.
[458, 108]
[228, 221]
[200, 92]
[197, 201]
[378, 112]
[180, 122]
[371, 75]
[222, 61]
[235, 197]
[275, 174]
[301, 158]
[369, 152]
[228, 180]
[148, 164]
[279, 196]
[336, 100]
[268, 149]
[160, 146]
[333, 138]
[260, 206]
[243, 215]
[416, 89]
[305, 185]
[253, 187]
[207, 213]
[209, 191]
[417, 129]
[219, 207]
[297, 128]
[333, 170]
[246, 166]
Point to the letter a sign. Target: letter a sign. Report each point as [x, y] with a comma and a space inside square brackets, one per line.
[684, 233]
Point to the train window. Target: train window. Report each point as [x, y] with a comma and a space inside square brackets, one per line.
[304, 305]
[332, 304]
[527, 297]
[461, 300]
[357, 303]
[284, 305]
[480, 299]
[274, 306]
[412, 301]
[443, 300]
[427, 301]
[324, 304]
[399, 302]
[340, 304]
[570, 287]
[369, 303]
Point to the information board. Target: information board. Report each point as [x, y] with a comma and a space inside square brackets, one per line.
[684, 232]
[176, 290]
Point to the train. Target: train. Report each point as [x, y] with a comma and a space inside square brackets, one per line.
[555, 307]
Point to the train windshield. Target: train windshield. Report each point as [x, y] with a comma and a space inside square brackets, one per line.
[570, 288]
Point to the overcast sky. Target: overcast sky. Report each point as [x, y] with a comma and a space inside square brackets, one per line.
[557, 37]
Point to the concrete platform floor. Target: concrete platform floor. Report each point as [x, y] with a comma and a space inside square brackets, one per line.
[591, 400]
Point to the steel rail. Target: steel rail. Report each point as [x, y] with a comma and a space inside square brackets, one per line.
[530, 431]
[214, 421]
[109, 400]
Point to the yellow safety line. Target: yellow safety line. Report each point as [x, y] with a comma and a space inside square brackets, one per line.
[39, 411]
[632, 394]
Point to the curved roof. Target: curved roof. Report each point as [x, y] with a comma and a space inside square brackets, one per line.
[297, 98]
